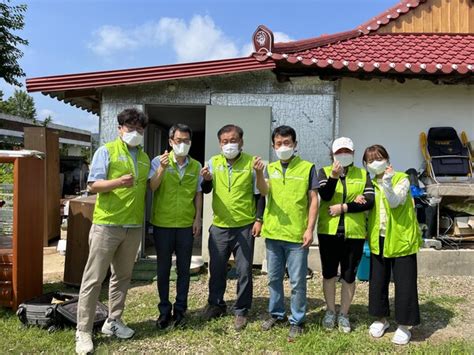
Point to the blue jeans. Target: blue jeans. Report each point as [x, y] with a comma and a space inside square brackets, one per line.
[281, 254]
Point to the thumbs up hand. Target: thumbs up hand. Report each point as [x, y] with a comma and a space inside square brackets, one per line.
[206, 174]
[165, 159]
[258, 164]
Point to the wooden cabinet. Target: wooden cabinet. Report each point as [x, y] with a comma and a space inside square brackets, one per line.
[47, 140]
[78, 227]
[21, 244]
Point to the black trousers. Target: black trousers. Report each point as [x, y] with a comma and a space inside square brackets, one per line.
[222, 243]
[169, 241]
[404, 268]
[338, 250]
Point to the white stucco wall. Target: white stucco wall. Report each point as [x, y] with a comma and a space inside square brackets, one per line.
[393, 114]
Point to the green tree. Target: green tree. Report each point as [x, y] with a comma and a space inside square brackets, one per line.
[47, 121]
[11, 20]
[19, 104]
[3, 104]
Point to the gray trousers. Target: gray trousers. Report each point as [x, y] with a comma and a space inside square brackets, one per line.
[222, 243]
[108, 246]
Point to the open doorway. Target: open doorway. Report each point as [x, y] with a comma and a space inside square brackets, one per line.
[161, 118]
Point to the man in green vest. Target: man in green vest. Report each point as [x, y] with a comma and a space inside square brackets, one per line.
[176, 217]
[231, 177]
[288, 225]
[118, 174]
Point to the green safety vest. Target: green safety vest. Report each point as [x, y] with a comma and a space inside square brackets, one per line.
[123, 205]
[402, 234]
[173, 200]
[286, 211]
[355, 225]
[233, 201]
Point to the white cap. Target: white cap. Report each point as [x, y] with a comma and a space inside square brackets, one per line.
[342, 142]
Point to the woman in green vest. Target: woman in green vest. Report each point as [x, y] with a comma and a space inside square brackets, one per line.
[346, 192]
[394, 238]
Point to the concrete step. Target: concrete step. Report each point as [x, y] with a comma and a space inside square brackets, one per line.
[431, 262]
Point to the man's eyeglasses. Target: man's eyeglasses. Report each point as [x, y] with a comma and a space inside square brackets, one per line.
[179, 141]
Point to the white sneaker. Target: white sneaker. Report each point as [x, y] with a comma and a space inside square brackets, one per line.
[117, 328]
[402, 336]
[343, 323]
[84, 343]
[377, 329]
[329, 320]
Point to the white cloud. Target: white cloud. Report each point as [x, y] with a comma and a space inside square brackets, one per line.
[200, 39]
[197, 40]
[282, 37]
[88, 121]
[77, 118]
[43, 113]
[247, 49]
[111, 39]
[277, 37]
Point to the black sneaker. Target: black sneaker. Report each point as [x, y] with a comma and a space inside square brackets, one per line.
[295, 332]
[179, 320]
[270, 323]
[163, 321]
[213, 311]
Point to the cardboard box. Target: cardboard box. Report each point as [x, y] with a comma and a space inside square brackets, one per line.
[464, 225]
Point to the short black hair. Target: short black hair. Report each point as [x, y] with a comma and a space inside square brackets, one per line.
[132, 116]
[284, 131]
[229, 128]
[182, 128]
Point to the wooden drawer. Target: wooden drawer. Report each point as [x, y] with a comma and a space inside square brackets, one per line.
[6, 256]
[6, 272]
[6, 294]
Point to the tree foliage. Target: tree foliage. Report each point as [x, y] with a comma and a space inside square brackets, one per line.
[11, 20]
[19, 104]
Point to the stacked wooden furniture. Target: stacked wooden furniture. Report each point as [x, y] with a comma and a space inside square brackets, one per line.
[78, 226]
[21, 253]
[46, 140]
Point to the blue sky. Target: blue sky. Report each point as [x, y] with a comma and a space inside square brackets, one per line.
[72, 36]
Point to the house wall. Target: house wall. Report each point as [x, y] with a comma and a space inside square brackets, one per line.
[438, 16]
[308, 104]
[394, 114]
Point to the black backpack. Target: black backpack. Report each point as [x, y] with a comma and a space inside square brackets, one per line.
[55, 310]
[448, 155]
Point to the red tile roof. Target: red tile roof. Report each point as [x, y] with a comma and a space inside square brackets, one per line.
[145, 75]
[398, 53]
[403, 7]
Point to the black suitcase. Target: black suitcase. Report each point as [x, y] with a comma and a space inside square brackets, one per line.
[55, 310]
[68, 312]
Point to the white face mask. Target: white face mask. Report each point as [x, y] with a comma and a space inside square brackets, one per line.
[377, 167]
[345, 159]
[181, 149]
[284, 152]
[132, 138]
[230, 150]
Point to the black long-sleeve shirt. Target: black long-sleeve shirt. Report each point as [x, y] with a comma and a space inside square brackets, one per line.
[327, 187]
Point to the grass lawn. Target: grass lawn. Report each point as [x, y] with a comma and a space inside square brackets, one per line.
[447, 312]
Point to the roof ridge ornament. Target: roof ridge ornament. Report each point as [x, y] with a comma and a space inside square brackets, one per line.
[263, 40]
